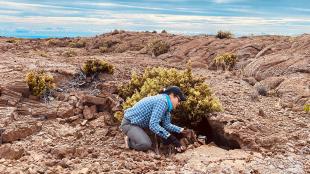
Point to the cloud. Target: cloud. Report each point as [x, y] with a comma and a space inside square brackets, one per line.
[226, 1]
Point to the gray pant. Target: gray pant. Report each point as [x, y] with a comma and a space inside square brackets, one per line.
[138, 139]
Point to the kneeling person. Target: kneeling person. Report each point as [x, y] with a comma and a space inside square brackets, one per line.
[154, 113]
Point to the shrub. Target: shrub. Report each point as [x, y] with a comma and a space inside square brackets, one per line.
[69, 53]
[163, 31]
[92, 67]
[307, 108]
[226, 61]
[56, 42]
[15, 41]
[158, 47]
[39, 82]
[224, 35]
[105, 46]
[115, 32]
[78, 44]
[199, 103]
[103, 49]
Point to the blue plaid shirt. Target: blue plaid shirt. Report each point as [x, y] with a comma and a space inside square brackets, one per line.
[154, 113]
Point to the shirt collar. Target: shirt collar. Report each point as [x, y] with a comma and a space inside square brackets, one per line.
[170, 107]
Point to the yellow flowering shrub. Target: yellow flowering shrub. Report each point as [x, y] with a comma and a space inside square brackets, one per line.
[39, 82]
[199, 103]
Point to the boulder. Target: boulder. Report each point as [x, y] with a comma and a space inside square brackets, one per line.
[89, 112]
[19, 87]
[9, 97]
[65, 110]
[8, 151]
[103, 103]
[20, 130]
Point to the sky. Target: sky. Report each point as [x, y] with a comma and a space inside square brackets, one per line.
[71, 18]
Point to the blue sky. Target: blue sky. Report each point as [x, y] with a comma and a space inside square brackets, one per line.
[68, 18]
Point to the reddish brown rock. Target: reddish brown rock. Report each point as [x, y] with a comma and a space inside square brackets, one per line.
[19, 87]
[9, 97]
[7, 151]
[20, 130]
[7, 115]
[89, 112]
[65, 110]
[104, 103]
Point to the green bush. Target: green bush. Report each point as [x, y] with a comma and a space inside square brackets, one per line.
[224, 35]
[199, 103]
[39, 82]
[307, 108]
[91, 67]
[226, 61]
[157, 48]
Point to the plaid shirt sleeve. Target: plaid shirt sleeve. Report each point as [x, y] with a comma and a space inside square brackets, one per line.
[168, 126]
[157, 113]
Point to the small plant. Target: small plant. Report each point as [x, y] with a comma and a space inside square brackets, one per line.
[226, 61]
[43, 54]
[56, 42]
[13, 41]
[92, 67]
[69, 53]
[114, 32]
[224, 35]
[78, 44]
[158, 47]
[103, 49]
[199, 103]
[163, 31]
[307, 108]
[39, 82]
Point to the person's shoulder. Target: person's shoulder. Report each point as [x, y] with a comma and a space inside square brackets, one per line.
[160, 97]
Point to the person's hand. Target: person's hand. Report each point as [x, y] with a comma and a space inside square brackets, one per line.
[172, 140]
[187, 132]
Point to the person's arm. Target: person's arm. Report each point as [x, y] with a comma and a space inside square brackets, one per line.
[169, 126]
[157, 113]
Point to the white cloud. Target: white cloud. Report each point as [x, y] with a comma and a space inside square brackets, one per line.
[226, 1]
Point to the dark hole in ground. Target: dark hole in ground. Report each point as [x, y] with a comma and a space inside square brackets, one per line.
[215, 134]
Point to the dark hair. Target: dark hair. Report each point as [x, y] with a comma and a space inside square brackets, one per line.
[166, 91]
[174, 90]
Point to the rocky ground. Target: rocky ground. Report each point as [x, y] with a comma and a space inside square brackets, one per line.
[263, 126]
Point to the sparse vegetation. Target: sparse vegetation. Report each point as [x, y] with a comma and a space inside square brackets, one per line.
[307, 108]
[69, 53]
[106, 46]
[226, 61]
[163, 31]
[39, 82]
[103, 49]
[92, 67]
[14, 41]
[199, 103]
[115, 32]
[158, 47]
[224, 35]
[78, 44]
[56, 42]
